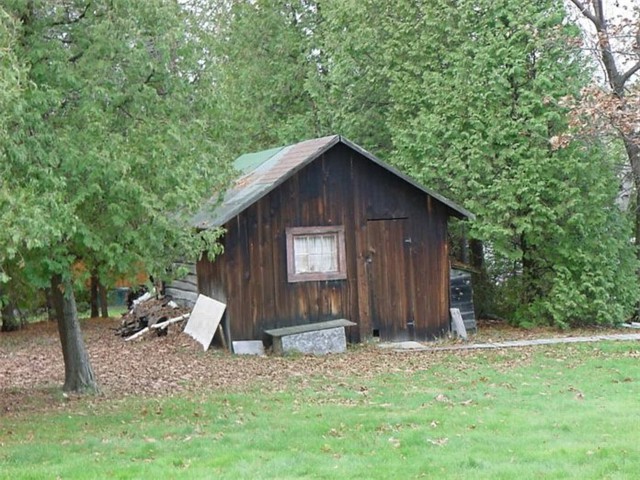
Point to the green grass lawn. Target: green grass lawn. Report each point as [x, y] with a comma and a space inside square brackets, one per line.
[566, 411]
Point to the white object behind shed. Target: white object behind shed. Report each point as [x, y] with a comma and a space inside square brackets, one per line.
[248, 347]
[458, 323]
[204, 320]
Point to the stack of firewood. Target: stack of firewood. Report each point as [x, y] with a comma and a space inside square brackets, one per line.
[150, 313]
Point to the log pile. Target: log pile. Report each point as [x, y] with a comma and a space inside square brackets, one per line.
[151, 314]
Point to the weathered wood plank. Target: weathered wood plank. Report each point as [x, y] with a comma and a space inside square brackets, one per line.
[184, 285]
[181, 295]
[137, 335]
[170, 321]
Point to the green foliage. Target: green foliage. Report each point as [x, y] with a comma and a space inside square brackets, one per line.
[113, 149]
[121, 117]
[11, 69]
[582, 260]
[464, 96]
[475, 120]
[355, 62]
[264, 60]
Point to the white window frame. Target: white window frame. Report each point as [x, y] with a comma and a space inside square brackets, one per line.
[340, 273]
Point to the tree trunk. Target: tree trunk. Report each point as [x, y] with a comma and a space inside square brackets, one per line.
[78, 374]
[633, 152]
[51, 311]
[104, 307]
[94, 296]
[10, 322]
[483, 294]
[531, 289]
[477, 254]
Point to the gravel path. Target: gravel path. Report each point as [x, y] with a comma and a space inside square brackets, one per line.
[421, 347]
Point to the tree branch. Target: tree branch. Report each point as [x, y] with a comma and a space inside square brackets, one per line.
[126, 112]
[616, 81]
[149, 77]
[625, 76]
[76, 57]
[585, 11]
[74, 20]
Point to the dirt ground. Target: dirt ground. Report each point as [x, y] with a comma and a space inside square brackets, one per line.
[32, 369]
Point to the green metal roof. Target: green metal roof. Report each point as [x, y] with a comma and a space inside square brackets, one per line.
[261, 172]
[249, 161]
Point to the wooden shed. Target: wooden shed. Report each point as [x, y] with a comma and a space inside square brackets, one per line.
[323, 230]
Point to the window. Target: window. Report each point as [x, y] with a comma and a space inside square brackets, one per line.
[315, 253]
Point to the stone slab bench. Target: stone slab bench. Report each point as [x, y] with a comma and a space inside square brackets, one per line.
[314, 338]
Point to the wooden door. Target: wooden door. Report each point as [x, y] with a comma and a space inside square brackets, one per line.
[390, 274]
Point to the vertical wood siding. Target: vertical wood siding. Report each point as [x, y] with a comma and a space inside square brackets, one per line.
[340, 188]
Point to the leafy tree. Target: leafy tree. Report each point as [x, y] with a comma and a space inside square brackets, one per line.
[476, 119]
[465, 96]
[111, 149]
[354, 65]
[264, 61]
[12, 76]
[615, 109]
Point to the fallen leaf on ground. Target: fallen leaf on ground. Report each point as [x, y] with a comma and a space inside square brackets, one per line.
[440, 442]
